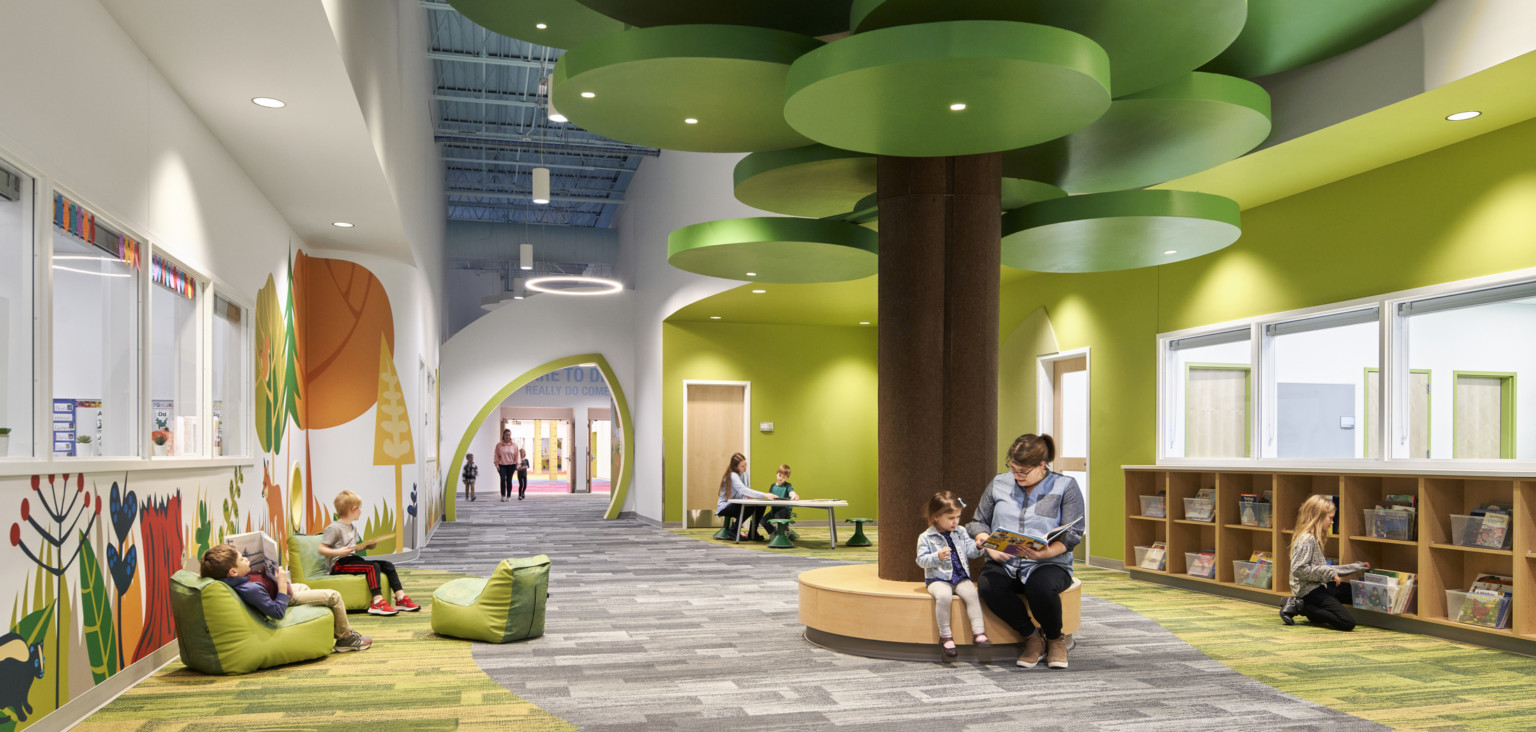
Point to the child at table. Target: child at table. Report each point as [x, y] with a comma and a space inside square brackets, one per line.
[941, 552]
[782, 489]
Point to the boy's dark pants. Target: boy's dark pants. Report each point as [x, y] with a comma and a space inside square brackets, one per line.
[370, 569]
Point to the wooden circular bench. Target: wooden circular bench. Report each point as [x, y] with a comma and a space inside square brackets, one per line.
[849, 608]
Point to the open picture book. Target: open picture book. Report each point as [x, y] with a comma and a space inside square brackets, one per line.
[260, 550]
[1012, 542]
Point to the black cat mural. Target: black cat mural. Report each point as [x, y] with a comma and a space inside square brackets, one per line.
[19, 665]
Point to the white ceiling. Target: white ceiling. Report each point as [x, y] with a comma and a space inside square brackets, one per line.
[313, 159]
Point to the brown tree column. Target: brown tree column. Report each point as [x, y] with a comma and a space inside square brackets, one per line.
[940, 250]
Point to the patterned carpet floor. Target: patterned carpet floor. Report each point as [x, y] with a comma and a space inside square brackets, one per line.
[813, 542]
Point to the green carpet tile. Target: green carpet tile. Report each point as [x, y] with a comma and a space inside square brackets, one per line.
[813, 542]
[410, 679]
[1404, 680]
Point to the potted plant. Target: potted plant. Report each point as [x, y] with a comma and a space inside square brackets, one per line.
[82, 440]
[162, 440]
[5, 441]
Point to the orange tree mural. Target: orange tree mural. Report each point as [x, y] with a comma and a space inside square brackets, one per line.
[392, 433]
[160, 535]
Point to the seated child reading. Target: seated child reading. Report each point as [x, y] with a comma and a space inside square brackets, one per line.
[272, 598]
[339, 545]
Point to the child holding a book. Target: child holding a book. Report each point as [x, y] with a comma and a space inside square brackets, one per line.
[1316, 591]
[941, 552]
[339, 545]
[273, 596]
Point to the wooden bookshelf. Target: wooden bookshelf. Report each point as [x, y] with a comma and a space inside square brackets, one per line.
[1433, 554]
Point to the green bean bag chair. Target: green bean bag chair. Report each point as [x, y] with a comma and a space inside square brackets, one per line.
[219, 634]
[507, 607]
[306, 566]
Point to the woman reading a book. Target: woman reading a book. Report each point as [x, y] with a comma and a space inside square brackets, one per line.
[1032, 500]
[1316, 591]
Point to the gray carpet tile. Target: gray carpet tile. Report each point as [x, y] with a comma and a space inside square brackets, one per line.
[648, 629]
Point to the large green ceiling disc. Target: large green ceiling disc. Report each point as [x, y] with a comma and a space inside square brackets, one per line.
[646, 83]
[776, 249]
[1149, 42]
[567, 23]
[815, 181]
[1018, 192]
[1288, 34]
[806, 17]
[891, 91]
[1178, 129]
[1101, 232]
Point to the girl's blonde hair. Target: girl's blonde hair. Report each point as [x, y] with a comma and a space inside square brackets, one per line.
[1313, 519]
[943, 502]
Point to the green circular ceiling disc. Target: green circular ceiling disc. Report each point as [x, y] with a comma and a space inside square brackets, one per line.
[889, 92]
[1149, 42]
[1102, 232]
[776, 249]
[567, 23]
[806, 17]
[815, 181]
[647, 82]
[1198, 122]
[1018, 192]
[1288, 34]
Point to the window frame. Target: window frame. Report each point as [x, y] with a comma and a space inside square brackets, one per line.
[41, 423]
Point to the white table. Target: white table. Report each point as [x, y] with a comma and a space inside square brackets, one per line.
[830, 504]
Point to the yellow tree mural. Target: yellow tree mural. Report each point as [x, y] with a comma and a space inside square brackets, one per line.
[392, 433]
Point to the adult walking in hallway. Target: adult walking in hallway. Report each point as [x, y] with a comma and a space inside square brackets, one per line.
[507, 458]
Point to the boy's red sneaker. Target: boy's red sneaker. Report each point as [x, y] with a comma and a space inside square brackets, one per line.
[382, 607]
[405, 605]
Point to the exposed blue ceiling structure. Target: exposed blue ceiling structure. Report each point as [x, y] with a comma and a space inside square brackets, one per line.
[491, 115]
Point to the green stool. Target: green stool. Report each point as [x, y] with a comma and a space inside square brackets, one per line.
[725, 531]
[858, 538]
[781, 538]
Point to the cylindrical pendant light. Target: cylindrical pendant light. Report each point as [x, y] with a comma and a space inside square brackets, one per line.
[541, 185]
[525, 257]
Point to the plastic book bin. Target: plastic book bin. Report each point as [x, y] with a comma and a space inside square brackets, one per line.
[1261, 515]
[1464, 530]
[1377, 598]
[1454, 599]
[1199, 509]
[1389, 530]
[1253, 574]
[1154, 507]
[1141, 554]
[1189, 561]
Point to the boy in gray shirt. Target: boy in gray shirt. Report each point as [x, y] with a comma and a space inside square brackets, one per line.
[339, 545]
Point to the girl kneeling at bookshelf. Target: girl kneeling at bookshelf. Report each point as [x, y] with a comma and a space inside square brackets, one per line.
[941, 552]
[1315, 587]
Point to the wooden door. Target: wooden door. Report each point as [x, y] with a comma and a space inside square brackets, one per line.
[1216, 423]
[1069, 427]
[1483, 426]
[715, 415]
[1418, 412]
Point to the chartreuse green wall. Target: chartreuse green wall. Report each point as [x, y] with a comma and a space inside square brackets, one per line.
[1464, 211]
[815, 383]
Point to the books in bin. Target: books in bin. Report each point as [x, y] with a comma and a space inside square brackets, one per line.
[1257, 571]
[1247, 515]
[1488, 601]
[1012, 543]
[1205, 507]
[1392, 523]
[1204, 564]
[260, 550]
[1156, 556]
[1385, 590]
[1491, 530]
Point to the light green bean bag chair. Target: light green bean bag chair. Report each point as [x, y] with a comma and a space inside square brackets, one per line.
[306, 566]
[507, 607]
[219, 634]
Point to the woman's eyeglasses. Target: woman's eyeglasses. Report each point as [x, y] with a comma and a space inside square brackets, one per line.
[1023, 472]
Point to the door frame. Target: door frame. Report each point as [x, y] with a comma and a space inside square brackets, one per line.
[1045, 419]
[1248, 402]
[746, 430]
[1506, 409]
[1429, 408]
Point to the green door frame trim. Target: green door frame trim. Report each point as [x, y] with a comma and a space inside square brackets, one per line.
[1247, 394]
[1506, 407]
[1429, 406]
[627, 425]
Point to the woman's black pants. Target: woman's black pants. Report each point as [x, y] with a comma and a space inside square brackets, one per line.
[507, 473]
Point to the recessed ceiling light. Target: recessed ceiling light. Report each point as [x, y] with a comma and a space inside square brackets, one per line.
[957, 106]
[540, 26]
[342, 224]
[588, 95]
[517, 297]
[269, 102]
[751, 274]
[1170, 251]
[690, 121]
[758, 292]
[714, 317]
[863, 322]
[1459, 116]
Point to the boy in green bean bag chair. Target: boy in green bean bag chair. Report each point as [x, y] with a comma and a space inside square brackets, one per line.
[507, 607]
[308, 567]
[218, 633]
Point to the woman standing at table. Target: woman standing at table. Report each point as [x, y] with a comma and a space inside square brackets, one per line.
[1030, 499]
[737, 484]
